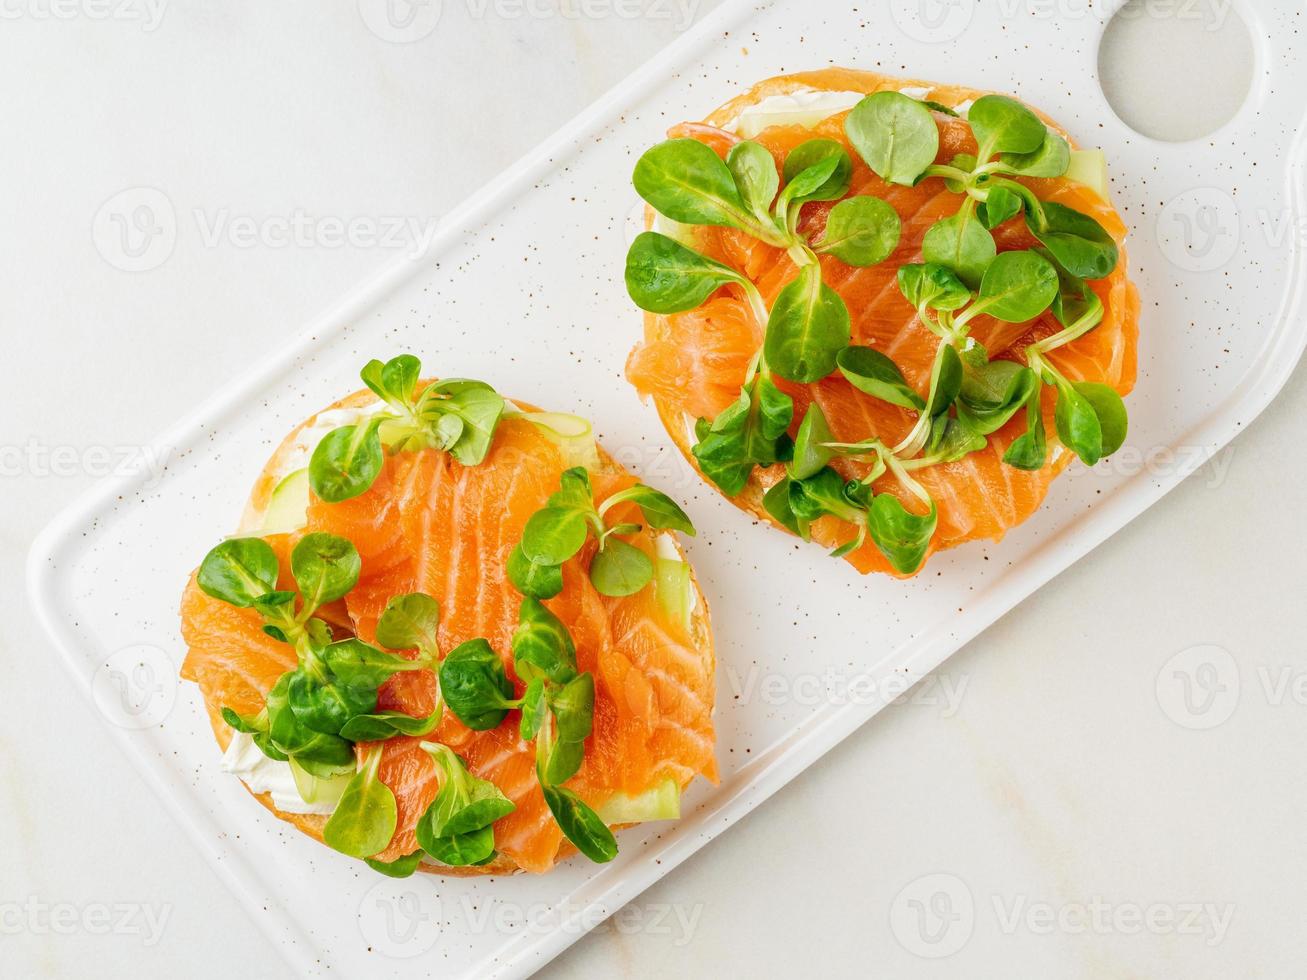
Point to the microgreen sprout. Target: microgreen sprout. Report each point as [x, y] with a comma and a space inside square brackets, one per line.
[557, 533]
[457, 829]
[813, 489]
[454, 415]
[808, 324]
[365, 818]
[1011, 142]
[314, 713]
[557, 713]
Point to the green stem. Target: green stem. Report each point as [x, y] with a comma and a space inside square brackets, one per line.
[801, 255]
[1088, 320]
[878, 453]
[757, 304]
[953, 327]
[372, 762]
[916, 439]
[877, 468]
[544, 745]
[617, 498]
[447, 763]
[1048, 374]
[869, 451]
[292, 626]
[933, 324]
[855, 448]
[947, 172]
[915, 488]
[966, 316]
[920, 463]
[768, 233]
[1034, 207]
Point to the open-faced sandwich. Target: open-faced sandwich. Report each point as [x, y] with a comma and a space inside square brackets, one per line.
[454, 635]
[883, 314]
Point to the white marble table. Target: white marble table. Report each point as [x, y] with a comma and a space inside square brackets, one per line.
[1055, 783]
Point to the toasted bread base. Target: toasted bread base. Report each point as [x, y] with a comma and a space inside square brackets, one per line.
[252, 523]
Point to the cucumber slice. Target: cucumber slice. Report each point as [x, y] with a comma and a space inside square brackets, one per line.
[1089, 167]
[806, 110]
[573, 435]
[673, 587]
[313, 789]
[663, 802]
[289, 504]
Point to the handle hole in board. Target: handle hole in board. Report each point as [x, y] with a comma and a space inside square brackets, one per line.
[1176, 70]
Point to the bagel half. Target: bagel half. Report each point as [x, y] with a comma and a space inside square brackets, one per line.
[203, 664]
[691, 364]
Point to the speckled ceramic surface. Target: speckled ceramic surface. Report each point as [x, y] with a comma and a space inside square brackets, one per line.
[523, 288]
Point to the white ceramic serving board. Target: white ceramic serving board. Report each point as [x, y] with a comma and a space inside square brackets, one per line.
[523, 288]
